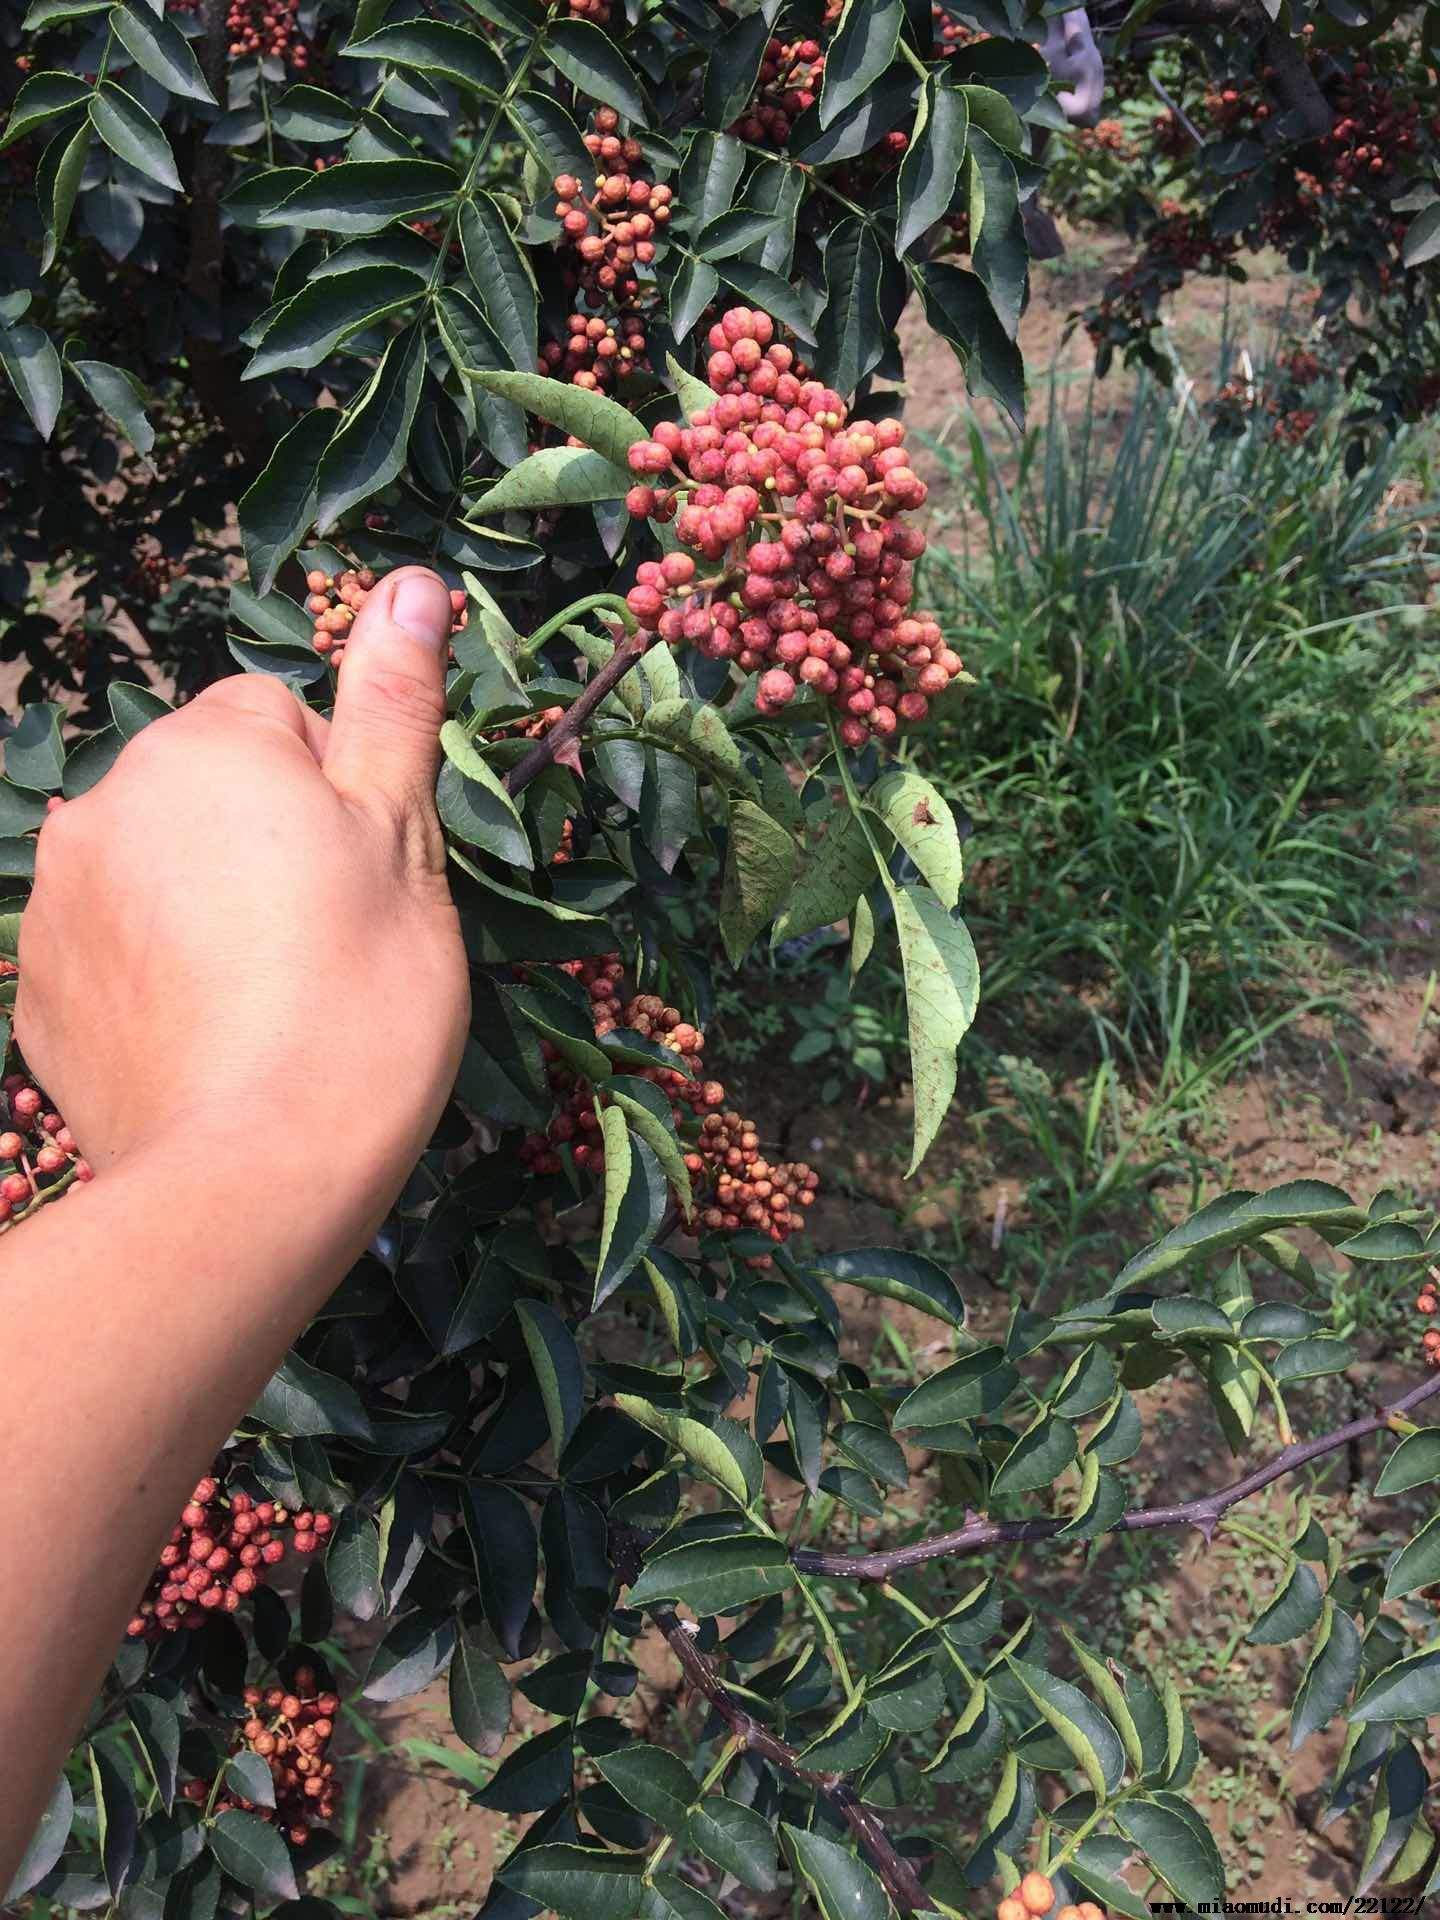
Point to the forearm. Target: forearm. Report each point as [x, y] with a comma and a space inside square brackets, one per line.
[142, 1316]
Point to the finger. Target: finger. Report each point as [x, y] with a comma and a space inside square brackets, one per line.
[256, 694]
[384, 745]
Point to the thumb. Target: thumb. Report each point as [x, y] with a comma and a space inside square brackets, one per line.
[384, 745]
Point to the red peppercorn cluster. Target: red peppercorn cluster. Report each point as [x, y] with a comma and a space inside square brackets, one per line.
[797, 516]
[1106, 136]
[1427, 1304]
[597, 12]
[152, 571]
[611, 229]
[36, 1146]
[220, 1551]
[291, 1729]
[787, 86]
[733, 1186]
[597, 352]
[261, 28]
[335, 599]
[951, 35]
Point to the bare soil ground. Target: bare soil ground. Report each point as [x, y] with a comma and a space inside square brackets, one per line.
[1349, 1097]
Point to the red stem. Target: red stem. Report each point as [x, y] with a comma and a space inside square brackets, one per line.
[540, 756]
[1203, 1513]
[898, 1874]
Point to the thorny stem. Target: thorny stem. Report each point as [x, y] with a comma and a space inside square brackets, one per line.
[567, 729]
[900, 1879]
[1203, 1513]
[897, 1873]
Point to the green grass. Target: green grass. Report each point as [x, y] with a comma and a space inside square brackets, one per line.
[1198, 715]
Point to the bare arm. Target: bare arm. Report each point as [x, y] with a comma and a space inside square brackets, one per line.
[243, 984]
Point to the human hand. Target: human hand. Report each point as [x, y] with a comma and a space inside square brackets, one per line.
[1076, 65]
[241, 941]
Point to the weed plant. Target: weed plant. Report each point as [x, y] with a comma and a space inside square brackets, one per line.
[1201, 668]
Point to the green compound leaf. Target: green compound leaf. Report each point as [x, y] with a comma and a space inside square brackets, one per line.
[430, 46]
[591, 61]
[844, 1888]
[711, 1576]
[577, 1883]
[555, 477]
[922, 822]
[942, 993]
[251, 1851]
[556, 1360]
[736, 1839]
[760, 863]
[369, 449]
[127, 129]
[1177, 1844]
[310, 327]
[862, 48]
[724, 1453]
[158, 48]
[363, 196]
[1038, 1457]
[655, 1782]
[831, 879]
[1414, 1463]
[604, 425]
[636, 1197]
[925, 185]
[1091, 1740]
[897, 1274]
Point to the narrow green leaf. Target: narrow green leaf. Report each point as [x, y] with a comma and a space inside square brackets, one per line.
[930, 168]
[252, 1852]
[555, 477]
[34, 370]
[42, 98]
[711, 1576]
[759, 867]
[1038, 1457]
[556, 1360]
[942, 993]
[924, 825]
[279, 505]
[724, 1453]
[844, 1888]
[591, 61]
[161, 50]
[120, 395]
[127, 129]
[369, 449]
[1091, 1740]
[897, 1275]
[458, 54]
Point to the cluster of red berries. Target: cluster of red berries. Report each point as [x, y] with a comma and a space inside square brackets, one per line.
[1035, 1896]
[1106, 136]
[611, 229]
[290, 1728]
[597, 12]
[266, 28]
[798, 517]
[152, 571]
[36, 1145]
[1429, 1303]
[788, 85]
[733, 1186]
[597, 352]
[336, 598]
[951, 34]
[220, 1551]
